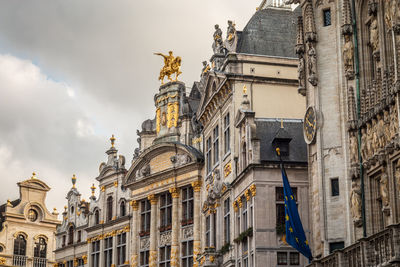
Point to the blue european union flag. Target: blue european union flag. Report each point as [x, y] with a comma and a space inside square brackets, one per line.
[295, 235]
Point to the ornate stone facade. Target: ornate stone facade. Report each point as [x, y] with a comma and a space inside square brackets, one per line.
[357, 139]
[27, 227]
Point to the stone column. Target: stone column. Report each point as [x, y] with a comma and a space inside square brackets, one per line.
[175, 227]
[153, 231]
[134, 233]
[196, 222]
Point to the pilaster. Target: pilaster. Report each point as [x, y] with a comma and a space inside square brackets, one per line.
[153, 231]
[175, 227]
[135, 239]
[196, 222]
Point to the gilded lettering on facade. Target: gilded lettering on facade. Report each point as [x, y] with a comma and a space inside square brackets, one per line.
[158, 120]
[172, 114]
[227, 169]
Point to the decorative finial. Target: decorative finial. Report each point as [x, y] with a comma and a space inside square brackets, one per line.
[93, 188]
[65, 208]
[73, 179]
[244, 89]
[83, 200]
[112, 139]
[278, 151]
[33, 175]
[55, 211]
[9, 202]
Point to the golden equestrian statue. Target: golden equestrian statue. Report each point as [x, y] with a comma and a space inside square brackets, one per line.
[171, 65]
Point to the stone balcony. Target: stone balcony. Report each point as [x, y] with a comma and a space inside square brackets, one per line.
[380, 249]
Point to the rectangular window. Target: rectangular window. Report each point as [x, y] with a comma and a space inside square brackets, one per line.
[208, 155]
[294, 258]
[108, 246]
[216, 144]
[280, 208]
[121, 249]
[246, 262]
[96, 253]
[165, 212]
[81, 263]
[227, 134]
[64, 238]
[251, 213]
[244, 214]
[187, 253]
[227, 221]
[208, 230]
[327, 17]
[335, 186]
[335, 246]
[282, 258]
[70, 263]
[79, 236]
[145, 213]
[187, 205]
[144, 258]
[165, 256]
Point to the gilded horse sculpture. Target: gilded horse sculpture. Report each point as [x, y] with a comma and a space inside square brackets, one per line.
[171, 65]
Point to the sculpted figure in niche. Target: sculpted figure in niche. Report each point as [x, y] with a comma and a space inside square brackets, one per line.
[383, 188]
[364, 144]
[355, 201]
[375, 141]
[374, 34]
[397, 176]
[216, 186]
[369, 140]
[353, 148]
[393, 122]
[312, 64]
[217, 45]
[380, 131]
[386, 117]
[348, 54]
[301, 73]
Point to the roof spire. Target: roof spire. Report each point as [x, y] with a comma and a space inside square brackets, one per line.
[33, 175]
[112, 139]
[73, 179]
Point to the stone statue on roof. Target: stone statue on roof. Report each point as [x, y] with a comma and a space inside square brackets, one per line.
[218, 43]
[231, 37]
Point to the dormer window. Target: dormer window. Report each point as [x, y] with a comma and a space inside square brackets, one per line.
[281, 141]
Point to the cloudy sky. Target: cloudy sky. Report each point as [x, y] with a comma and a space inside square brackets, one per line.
[74, 72]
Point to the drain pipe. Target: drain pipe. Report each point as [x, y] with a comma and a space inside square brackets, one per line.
[357, 77]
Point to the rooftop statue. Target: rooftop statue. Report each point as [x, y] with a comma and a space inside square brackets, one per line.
[171, 65]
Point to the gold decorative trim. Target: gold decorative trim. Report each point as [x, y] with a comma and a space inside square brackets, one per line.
[253, 190]
[103, 188]
[174, 192]
[153, 199]
[126, 229]
[134, 204]
[84, 258]
[115, 183]
[197, 140]
[196, 186]
[228, 169]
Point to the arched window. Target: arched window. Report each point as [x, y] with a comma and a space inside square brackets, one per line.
[70, 235]
[122, 209]
[20, 245]
[40, 249]
[96, 217]
[109, 208]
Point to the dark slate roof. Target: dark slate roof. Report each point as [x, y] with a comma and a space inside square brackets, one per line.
[268, 129]
[270, 32]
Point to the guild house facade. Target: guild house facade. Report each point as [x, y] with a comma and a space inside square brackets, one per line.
[27, 227]
[349, 74]
[204, 187]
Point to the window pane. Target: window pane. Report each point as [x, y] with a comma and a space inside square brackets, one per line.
[335, 186]
[294, 258]
[282, 258]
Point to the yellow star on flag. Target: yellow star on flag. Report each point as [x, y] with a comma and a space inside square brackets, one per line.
[306, 242]
[287, 217]
[291, 229]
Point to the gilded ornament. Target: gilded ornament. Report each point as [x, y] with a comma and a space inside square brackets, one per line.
[174, 192]
[2, 260]
[158, 120]
[172, 65]
[253, 190]
[75, 262]
[134, 260]
[84, 258]
[196, 140]
[73, 179]
[134, 205]
[112, 139]
[240, 203]
[196, 186]
[115, 183]
[153, 199]
[227, 169]
[235, 206]
[247, 194]
[103, 188]
[212, 258]
[153, 259]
